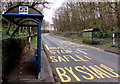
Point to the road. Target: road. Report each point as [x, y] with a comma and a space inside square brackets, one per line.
[75, 62]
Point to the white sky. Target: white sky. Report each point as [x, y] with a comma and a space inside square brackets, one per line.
[48, 13]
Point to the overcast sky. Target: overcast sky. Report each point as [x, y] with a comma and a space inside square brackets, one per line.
[48, 13]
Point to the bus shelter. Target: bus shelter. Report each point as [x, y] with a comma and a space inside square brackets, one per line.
[88, 35]
[27, 16]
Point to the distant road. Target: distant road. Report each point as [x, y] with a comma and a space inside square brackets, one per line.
[75, 62]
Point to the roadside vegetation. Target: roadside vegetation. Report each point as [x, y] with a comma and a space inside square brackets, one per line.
[76, 36]
[34, 40]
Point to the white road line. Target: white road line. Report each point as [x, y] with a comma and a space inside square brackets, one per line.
[81, 51]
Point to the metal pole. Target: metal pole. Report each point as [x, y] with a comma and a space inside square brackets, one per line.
[113, 35]
[113, 39]
[29, 30]
[39, 46]
[92, 37]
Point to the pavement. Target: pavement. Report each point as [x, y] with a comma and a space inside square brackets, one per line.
[26, 71]
[76, 62]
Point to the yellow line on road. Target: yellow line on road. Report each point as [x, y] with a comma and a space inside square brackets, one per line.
[47, 47]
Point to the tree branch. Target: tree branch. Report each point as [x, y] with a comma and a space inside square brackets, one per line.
[42, 3]
[112, 7]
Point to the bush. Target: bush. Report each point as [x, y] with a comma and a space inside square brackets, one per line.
[103, 34]
[117, 34]
[45, 31]
[11, 51]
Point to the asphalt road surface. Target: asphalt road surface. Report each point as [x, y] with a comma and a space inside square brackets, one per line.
[75, 62]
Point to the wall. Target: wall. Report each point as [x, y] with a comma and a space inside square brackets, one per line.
[11, 52]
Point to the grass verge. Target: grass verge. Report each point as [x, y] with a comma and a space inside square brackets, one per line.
[99, 43]
[34, 40]
[69, 38]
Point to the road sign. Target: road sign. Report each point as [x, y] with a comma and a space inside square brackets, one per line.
[23, 9]
[113, 35]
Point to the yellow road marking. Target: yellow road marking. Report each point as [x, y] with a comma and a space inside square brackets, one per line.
[68, 58]
[101, 71]
[88, 57]
[63, 74]
[89, 77]
[47, 47]
[71, 71]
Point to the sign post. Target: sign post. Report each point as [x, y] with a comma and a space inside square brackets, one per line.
[113, 39]
[113, 36]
